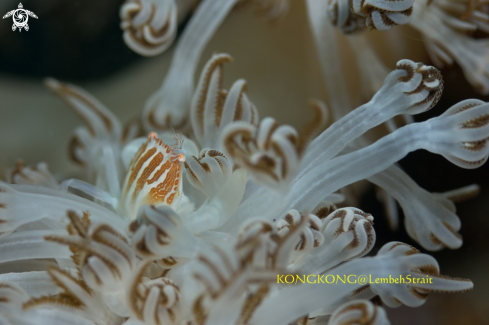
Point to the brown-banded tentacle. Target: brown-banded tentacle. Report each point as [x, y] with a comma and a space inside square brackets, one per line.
[213, 108]
[268, 152]
[209, 171]
[383, 14]
[149, 26]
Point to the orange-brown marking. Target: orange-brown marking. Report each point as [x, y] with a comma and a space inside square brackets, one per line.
[155, 162]
[170, 198]
[163, 168]
[137, 167]
[158, 193]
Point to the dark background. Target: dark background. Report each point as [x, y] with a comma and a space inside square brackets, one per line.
[73, 40]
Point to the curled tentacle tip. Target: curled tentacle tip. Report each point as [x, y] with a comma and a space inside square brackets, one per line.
[268, 152]
[359, 312]
[381, 14]
[463, 134]
[423, 83]
[342, 17]
[149, 26]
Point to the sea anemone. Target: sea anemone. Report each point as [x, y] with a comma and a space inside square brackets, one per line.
[201, 212]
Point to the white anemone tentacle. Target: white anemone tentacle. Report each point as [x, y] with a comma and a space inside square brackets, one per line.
[160, 233]
[98, 145]
[48, 203]
[429, 219]
[383, 14]
[209, 171]
[330, 59]
[412, 88]
[446, 27]
[460, 135]
[348, 234]
[342, 17]
[394, 260]
[269, 152]
[213, 108]
[169, 106]
[35, 175]
[149, 26]
[358, 311]
[153, 302]
[35, 284]
[310, 239]
[107, 259]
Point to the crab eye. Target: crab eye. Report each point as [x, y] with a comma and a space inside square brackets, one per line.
[181, 157]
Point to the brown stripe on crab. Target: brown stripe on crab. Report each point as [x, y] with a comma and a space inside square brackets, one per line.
[154, 176]
[268, 152]
[213, 107]
[149, 26]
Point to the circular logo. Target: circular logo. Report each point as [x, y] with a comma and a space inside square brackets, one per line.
[20, 18]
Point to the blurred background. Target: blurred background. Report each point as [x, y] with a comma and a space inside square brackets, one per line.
[81, 42]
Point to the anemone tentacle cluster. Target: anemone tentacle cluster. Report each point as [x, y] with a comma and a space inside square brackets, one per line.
[207, 224]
